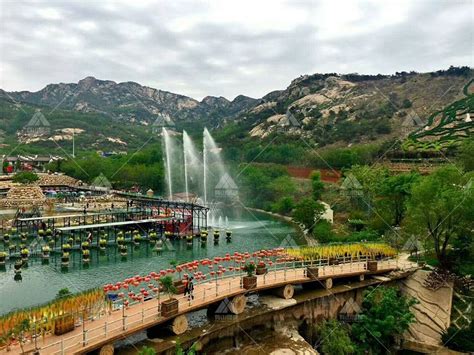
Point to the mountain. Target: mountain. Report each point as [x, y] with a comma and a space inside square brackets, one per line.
[130, 101]
[328, 109]
[428, 110]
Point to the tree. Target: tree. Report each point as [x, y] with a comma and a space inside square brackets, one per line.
[147, 351]
[63, 293]
[20, 331]
[465, 156]
[25, 177]
[284, 205]
[442, 207]
[334, 339]
[317, 185]
[395, 191]
[168, 286]
[385, 315]
[307, 211]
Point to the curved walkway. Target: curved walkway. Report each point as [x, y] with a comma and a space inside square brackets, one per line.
[121, 323]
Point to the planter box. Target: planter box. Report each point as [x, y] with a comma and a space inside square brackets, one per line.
[180, 286]
[372, 265]
[312, 272]
[261, 270]
[64, 325]
[169, 307]
[249, 282]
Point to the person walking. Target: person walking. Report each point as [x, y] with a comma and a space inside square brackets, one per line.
[190, 288]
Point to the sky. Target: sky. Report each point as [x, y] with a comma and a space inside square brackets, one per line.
[226, 47]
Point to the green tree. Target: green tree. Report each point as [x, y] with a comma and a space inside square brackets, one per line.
[385, 315]
[307, 211]
[394, 194]
[25, 177]
[317, 185]
[466, 156]
[442, 207]
[284, 205]
[63, 293]
[334, 339]
[146, 351]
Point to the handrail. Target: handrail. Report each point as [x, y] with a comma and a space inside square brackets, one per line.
[205, 290]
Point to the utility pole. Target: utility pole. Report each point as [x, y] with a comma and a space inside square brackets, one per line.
[73, 143]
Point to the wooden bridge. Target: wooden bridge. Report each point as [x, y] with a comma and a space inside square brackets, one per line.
[93, 334]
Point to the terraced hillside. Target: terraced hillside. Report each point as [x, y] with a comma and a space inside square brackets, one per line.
[446, 126]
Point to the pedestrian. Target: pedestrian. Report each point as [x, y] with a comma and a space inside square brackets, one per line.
[89, 237]
[190, 288]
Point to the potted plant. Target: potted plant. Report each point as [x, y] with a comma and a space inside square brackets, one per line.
[85, 245]
[86, 255]
[178, 284]
[67, 247]
[3, 257]
[49, 232]
[17, 266]
[24, 254]
[372, 265]
[261, 268]
[63, 324]
[46, 250]
[249, 281]
[65, 259]
[159, 245]
[11, 248]
[41, 233]
[169, 307]
[136, 239]
[102, 243]
[153, 237]
[6, 237]
[120, 239]
[123, 250]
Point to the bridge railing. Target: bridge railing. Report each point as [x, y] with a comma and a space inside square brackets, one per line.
[205, 292]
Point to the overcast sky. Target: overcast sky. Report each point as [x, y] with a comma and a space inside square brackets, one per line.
[226, 47]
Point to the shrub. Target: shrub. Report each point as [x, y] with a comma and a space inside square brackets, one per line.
[25, 177]
[459, 339]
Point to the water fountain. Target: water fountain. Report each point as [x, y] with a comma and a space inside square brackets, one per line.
[192, 165]
[168, 148]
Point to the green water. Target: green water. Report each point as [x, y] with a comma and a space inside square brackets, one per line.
[40, 283]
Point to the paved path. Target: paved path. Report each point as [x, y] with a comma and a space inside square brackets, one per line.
[110, 327]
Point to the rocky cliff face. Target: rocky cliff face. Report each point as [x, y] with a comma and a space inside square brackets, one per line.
[130, 101]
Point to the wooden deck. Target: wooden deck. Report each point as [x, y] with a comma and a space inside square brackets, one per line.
[137, 317]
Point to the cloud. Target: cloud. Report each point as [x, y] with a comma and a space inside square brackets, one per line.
[226, 48]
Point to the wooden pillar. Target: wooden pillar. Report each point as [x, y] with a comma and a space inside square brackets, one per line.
[285, 292]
